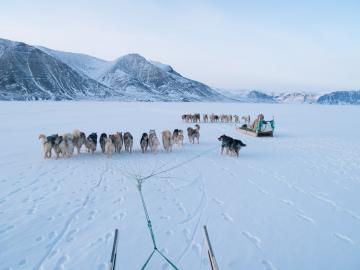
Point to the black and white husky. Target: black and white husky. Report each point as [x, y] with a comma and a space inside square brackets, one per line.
[64, 145]
[178, 137]
[236, 146]
[102, 141]
[231, 145]
[91, 142]
[144, 142]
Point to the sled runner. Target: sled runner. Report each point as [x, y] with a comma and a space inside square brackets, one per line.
[261, 128]
[114, 252]
[212, 259]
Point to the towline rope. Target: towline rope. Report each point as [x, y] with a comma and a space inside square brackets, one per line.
[140, 181]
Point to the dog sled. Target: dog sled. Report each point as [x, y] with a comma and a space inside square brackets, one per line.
[260, 128]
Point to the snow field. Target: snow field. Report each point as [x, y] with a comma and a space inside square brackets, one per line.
[288, 202]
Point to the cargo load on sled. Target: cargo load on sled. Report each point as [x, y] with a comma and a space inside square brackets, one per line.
[259, 128]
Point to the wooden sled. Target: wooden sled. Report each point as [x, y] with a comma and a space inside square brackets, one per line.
[263, 129]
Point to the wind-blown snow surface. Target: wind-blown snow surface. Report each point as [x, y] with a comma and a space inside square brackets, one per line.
[288, 202]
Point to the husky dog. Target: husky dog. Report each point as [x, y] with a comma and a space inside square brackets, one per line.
[167, 140]
[153, 141]
[231, 145]
[226, 142]
[224, 118]
[196, 117]
[178, 137]
[194, 133]
[246, 119]
[103, 136]
[64, 145]
[79, 139]
[117, 140]
[91, 142]
[236, 146]
[121, 142]
[205, 118]
[69, 145]
[183, 117]
[109, 147]
[112, 138]
[128, 142]
[236, 118]
[48, 144]
[144, 142]
[59, 145]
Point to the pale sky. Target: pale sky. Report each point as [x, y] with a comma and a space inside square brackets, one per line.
[272, 45]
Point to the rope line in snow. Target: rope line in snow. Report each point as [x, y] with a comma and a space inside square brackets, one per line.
[140, 181]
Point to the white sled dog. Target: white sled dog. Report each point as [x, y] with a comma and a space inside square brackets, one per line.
[153, 141]
[64, 145]
[194, 133]
[109, 147]
[167, 140]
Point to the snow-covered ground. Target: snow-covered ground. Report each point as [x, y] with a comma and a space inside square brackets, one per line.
[288, 202]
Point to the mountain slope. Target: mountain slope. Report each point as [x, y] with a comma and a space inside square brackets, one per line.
[138, 78]
[135, 75]
[257, 96]
[333, 98]
[340, 97]
[82, 63]
[28, 73]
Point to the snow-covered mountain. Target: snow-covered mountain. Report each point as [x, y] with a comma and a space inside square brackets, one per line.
[137, 76]
[86, 64]
[341, 97]
[296, 97]
[28, 73]
[256, 96]
[33, 72]
[336, 97]
[253, 96]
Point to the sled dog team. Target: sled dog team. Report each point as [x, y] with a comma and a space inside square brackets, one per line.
[214, 118]
[65, 144]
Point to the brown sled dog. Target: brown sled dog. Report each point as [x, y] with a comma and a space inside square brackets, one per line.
[194, 133]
